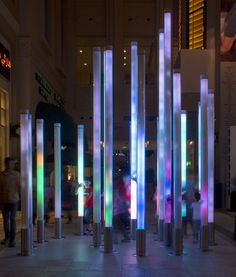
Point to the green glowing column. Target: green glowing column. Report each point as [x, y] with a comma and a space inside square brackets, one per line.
[26, 183]
[40, 180]
[108, 148]
[80, 167]
[96, 147]
[57, 179]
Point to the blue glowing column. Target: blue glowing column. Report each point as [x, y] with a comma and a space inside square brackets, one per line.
[157, 187]
[204, 162]
[140, 233]
[167, 124]
[57, 178]
[184, 159]
[40, 180]
[26, 184]
[96, 147]
[210, 119]
[108, 148]
[178, 241]
[199, 147]
[133, 135]
[161, 140]
[80, 174]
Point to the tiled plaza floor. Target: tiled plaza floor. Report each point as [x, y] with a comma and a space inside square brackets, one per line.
[74, 256]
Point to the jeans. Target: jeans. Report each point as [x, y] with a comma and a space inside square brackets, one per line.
[196, 229]
[9, 212]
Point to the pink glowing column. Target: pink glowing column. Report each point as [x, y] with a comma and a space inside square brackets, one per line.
[204, 161]
[167, 118]
[177, 164]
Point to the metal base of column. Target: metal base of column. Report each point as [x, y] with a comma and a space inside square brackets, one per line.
[204, 238]
[57, 231]
[211, 230]
[133, 226]
[108, 240]
[96, 234]
[161, 230]
[168, 234]
[31, 228]
[40, 231]
[141, 243]
[178, 242]
[80, 226]
[26, 248]
[157, 224]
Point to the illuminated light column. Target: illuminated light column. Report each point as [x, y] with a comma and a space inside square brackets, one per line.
[133, 135]
[80, 174]
[140, 232]
[26, 170]
[167, 124]
[57, 179]
[204, 162]
[161, 140]
[30, 176]
[157, 187]
[96, 147]
[40, 180]
[108, 148]
[183, 158]
[199, 147]
[210, 120]
[178, 241]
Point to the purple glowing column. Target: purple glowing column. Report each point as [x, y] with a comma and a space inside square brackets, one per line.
[97, 146]
[140, 233]
[108, 148]
[133, 135]
[26, 184]
[204, 162]
[177, 164]
[161, 139]
[210, 119]
[167, 122]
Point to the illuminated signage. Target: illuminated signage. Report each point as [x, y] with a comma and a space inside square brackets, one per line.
[47, 92]
[5, 62]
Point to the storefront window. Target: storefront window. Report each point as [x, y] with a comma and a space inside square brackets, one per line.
[3, 127]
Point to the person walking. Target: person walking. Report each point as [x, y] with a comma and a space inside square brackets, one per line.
[9, 198]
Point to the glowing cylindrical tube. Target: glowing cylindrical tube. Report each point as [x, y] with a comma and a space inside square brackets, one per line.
[204, 162]
[24, 139]
[40, 169]
[141, 143]
[30, 175]
[57, 169]
[161, 132]
[183, 157]
[80, 168]
[210, 158]
[177, 150]
[157, 188]
[199, 147]
[108, 135]
[133, 207]
[97, 135]
[133, 127]
[26, 184]
[167, 118]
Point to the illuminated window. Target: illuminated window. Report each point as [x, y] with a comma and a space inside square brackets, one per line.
[196, 24]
